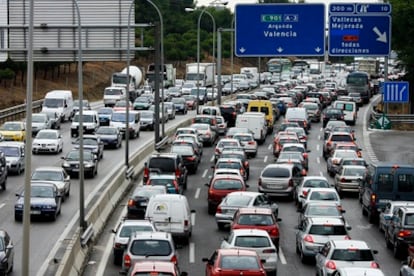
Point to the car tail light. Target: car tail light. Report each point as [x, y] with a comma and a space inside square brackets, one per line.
[373, 199]
[117, 245]
[127, 261]
[191, 158]
[274, 232]
[375, 265]
[185, 223]
[251, 143]
[330, 265]
[174, 259]
[146, 173]
[308, 238]
[234, 114]
[343, 180]
[259, 182]
[177, 173]
[131, 202]
[404, 233]
[305, 192]
[268, 251]
[305, 155]
[290, 182]
[241, 171]
[246, 164]
[217, 150]
[218, 210]
[347, 237]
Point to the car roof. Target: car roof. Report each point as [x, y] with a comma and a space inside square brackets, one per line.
[244, 193]
[231, 251]
[251, 231]
[151, 235]
[49, 168]
[136, 222]
[345, 244]
[154, 266]
[326, 220]
[255, 210]
[162, 176]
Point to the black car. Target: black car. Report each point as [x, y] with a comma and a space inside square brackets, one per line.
[189, 156]
[332, 114]
[180, 105]
[229, 113]
[138, 201]
[111, 137]
[45, 201]
[92, 143]
[71, 163]
[6, 253]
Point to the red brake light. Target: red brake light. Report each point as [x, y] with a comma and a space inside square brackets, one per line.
[185, 223]
[343, 180]
[146, 173]
[274, 232]
[375, 265]
[251, 143]
[131, 202]
[174, 259]
[331, 265]
[308, 238]
[177, 173]
[305, 192]
[373, 199]
[218, 210]
[347, 237]
[404, 233]
[127, 261]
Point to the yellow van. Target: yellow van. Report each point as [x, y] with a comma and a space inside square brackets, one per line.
[266, 107]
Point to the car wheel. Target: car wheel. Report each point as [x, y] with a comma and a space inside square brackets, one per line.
[220, 225]
[303, 258]
[211, 209]
[371, 218]
[3, 185]
[297, 248]
[17, 217]
[397, 251]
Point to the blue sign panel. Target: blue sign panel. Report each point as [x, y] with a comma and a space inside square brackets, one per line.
[359, 29]
[279, 30]
[395, 92]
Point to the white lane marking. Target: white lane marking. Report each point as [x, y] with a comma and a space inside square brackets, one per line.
[317, 147]
[197, 193]
[321, 129]
[2, 205]
[365, 132]
[193, 218]
[204, 173]
[282, 256]
[321, 173]
[269, 147]
[319, 137]
[212, 158]
[191, 253]
[265, 159]
[318, 160]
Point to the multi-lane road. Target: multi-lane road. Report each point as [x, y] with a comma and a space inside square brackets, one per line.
[376, 145]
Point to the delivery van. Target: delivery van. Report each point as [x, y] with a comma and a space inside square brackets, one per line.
[266, 107]
[350, 110]
[171, 213]
[255, 122]
[90, 122]
[59, 102]
[119, 120]
[113, 94]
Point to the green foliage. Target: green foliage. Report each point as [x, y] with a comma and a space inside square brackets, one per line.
[7, 74]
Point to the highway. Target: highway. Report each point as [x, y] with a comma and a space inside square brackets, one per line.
[206, 237]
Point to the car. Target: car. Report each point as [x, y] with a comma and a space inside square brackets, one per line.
[221, 125]
[47, 141]
[312, 233]
[174, 91]
[138, 200]
[156, 268]
[170, 110]
[292, 156]
[219, 187]
[333, 161]
[331, 125]
[45, 201]
[247, 142]
[180, 105]
[336, 137]
[40, 121]
[400, 231]
[169, 181]
[226, 262]
[349, 178]
[407, 267]
[121, 105]
[222, 144]
[142, 103]
[190, 101]
[279, 141]
[92, 143]
[147, 120]
[207, 134]
[148, 246]
[320, 210]
[301, 133]
[54, 119]
[336, 254]
[125, 228]
[356, 97]
[105, 116]
[256, 240]
[191, 142]
[187, 130]
[163, 115]
[313, 111]
[3, 171]
[229, 112]
[330, 114]
[284, 125]
[360, 271]
[206, 119]
[296, 147]
[309, 182]
[193, 139]
[322, 195]
[13, 131]
[229, 88]
[14, 153]
[237, 153]
[55, 175]
[6, 253]
[235, 200]
[390, 208]
[279, 179]
[85, 105]
[257, 218]
[234, 162]
[234, 130]
[111, 137]
[72, 160]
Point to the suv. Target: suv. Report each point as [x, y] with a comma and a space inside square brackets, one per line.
[145, 246]
[229, 113]
[166, 163]
[400, 231]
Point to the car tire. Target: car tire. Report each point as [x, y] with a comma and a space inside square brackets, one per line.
[17, 217]
[3, 185]
[397, 251]
[220, 226]
[211, 209]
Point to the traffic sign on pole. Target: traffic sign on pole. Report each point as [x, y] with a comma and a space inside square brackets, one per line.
[359, 29]
[279, 30]
[395, 92]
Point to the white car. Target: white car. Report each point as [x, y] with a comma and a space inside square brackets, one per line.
[47, 140]
[344, 253]
[55, 175]
[307, 183]
[256, 240]
[247, 142]
[225, 142]
[321, 195]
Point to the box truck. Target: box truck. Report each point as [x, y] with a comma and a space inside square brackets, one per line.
[202, 74]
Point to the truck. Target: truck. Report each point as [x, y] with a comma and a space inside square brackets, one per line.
[370, 66]
[167, 75]
[113, 94]
[119, 79]
[206, 73]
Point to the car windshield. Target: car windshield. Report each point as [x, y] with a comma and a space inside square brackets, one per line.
[48, 175]
[239, 262]
[178, 100]
[10, 151]
[150, 248]
[165, 164]
[354, 171]
[53, 103]
[352, 255]
[328, 211]
[38, 119]
[328, 230]
[147, 193]
[315, 195]
[227, 184]
[74, 156]
[316, 183]
[41, 191]
[106, 130]
[88, 142]
[127, 230]
[11, 127]
[46, 135]
[255, 219]
[252, 241]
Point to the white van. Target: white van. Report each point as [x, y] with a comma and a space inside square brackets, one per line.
[350, 110]
[171, 213]
[299, 115]
[90, 122]
[118, 120]
[255, 122]
[113, 94]
[210, 110]
[59, 102]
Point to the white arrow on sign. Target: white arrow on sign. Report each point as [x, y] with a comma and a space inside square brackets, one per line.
[317, 49]
[393, 94]
[382, 37]
[242, 50]
[280, 49]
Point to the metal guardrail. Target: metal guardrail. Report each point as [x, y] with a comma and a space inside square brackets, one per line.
[18, 112]
[395, 119]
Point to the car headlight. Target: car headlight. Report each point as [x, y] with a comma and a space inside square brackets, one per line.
[66, 165]
[18, 206]
[88, 165]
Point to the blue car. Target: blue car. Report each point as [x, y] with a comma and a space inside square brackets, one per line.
[105, 115]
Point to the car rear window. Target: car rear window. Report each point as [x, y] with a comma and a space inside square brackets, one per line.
[314, 183]
[323, 196]
[151, 248]
[228, 165]
[238, 200]
[227, 184]
[405, 183]
[276, 172]
[345, 138]
[385, 183]
[409, 219]
[239, 262]
[328, 211]
[164, 164]
[328, 230]
[127, 230]
[252, 241]
[256, 220]
[352, 255]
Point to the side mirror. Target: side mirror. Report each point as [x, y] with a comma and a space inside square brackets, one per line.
[206, 184]
[348, 227]
[247, 185]
[113, 231]
[375, 251]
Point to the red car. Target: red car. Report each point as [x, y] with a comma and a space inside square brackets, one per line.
[156, 268]
[220, 186]
[190, 101]
[257, 218]
[229, 262]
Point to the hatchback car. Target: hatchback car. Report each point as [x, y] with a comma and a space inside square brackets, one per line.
[40, 121]
[248, 143]
[71, 163]
[92, 143]
[232, 163]
[333, 162]
[206, 133]
[336, 254]
[222, 144]
[361, 271]
[320, 210]
[13, 131]
[47, 141]
[6, 253]
[349, 177]
[147, 120]
[255, 240]
[111, 137]
[321, 195]
[180, 105]
[55, 175]
[332, 114]
[189, 155]
[235, 200]
[155, 268]
[309, 182]
[226, 262]
[169, 181]
[330, 126]
[386, 215]
[122, 233]
[138, 200]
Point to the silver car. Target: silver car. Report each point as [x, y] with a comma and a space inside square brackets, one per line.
[348, 178]
[55, 175]
[386, 215]
[307, 183]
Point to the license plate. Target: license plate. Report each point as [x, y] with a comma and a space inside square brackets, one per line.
[143, 204]
[384, 200]
[35, 212]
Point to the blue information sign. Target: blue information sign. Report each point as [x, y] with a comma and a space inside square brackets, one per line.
[279, 30]
[395, 92]
[359, 29]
